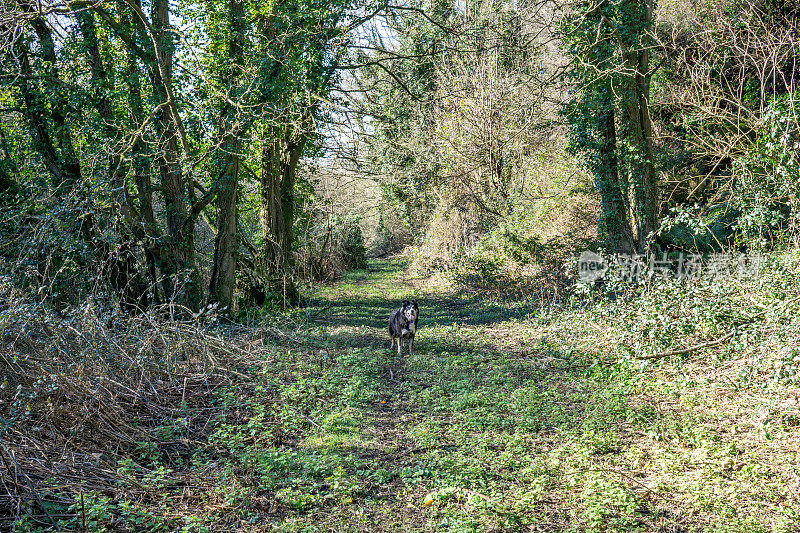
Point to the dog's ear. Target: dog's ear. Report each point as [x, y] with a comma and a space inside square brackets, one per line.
[414, 303]
[406, 303]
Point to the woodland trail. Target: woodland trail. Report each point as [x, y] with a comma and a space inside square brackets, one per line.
[473, 432]
[437, 403]
[355, 313]
[507, 417]
[501, 420]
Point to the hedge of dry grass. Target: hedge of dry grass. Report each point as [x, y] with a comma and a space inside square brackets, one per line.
[80, 394]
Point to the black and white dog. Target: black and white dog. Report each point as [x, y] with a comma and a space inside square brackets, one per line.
[403, 325]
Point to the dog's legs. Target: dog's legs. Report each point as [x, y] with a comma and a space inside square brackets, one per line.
[399, 346]
[410, 346]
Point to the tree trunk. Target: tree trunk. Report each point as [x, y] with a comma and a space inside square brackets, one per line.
[141, 163]
[56, 148]
[223, 274]
[614, 209]
[594, 125]
[35, 109]
[636, 126]
[279, 158]
[176, 258]
[70, 167]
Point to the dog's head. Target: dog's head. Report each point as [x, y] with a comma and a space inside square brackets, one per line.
[410, 310]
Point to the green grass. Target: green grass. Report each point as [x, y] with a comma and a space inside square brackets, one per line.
[506, 418]
[474, 432]
[497, 422]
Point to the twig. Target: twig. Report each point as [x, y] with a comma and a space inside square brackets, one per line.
[485, 497]
[689, 349]
[31, 487]
[11, 475]
[83, 514]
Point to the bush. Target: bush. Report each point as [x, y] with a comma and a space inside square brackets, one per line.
[92, 401]
[768, 180]
[330, 247]
[511, 260]
[392, 234]
[697, 229]
[728, 295]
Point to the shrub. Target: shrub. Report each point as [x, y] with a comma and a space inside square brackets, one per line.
[697, 229]
[392, 234]
[99, 411]
[330, 247]
[511, 260]
[768, 180]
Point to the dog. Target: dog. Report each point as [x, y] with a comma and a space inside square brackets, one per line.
[403, 325]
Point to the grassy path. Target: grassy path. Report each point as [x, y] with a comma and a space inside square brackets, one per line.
[479, 430]
[504, 419]
[496, 423]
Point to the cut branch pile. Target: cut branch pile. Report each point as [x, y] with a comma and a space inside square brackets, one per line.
[78, 396]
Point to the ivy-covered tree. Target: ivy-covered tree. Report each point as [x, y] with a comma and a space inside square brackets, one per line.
[609, 114]
[144, 130]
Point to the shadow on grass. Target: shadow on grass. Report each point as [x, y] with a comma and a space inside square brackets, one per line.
[355, 340]
[455, 413]
[375, 312]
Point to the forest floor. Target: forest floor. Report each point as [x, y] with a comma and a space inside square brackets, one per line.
[504, 419]
[497, 422]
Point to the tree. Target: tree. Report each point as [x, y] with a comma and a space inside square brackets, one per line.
[609, 114]
[635, 43]
[300, 49]
[223, 273]
[144, 132]
[398, 81]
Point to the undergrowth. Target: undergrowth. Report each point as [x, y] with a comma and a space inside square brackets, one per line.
[507, 417]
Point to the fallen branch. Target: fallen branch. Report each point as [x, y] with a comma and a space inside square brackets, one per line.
[689, 349]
